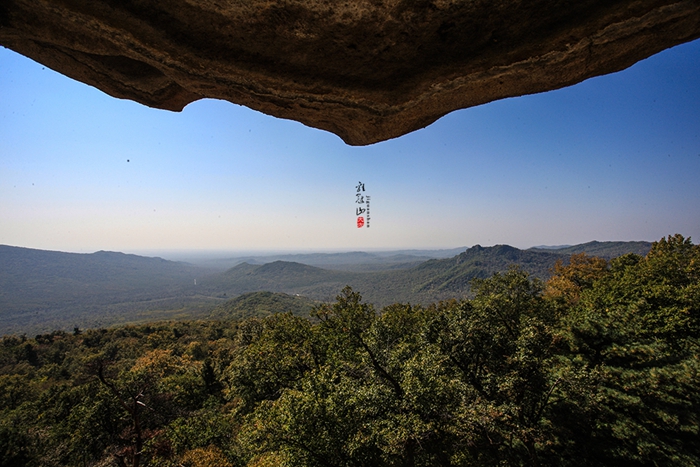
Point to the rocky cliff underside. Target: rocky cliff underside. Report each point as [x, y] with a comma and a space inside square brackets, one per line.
[366, 70]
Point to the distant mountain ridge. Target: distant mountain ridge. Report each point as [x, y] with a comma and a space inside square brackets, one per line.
[47, 290]
[347, 261]
[430, 281]
[606, 250]
[39, 286]
[25, 271]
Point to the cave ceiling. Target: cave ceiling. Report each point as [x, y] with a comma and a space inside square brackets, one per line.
[366, 70]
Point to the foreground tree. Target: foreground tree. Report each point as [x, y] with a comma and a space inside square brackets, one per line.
[600, 366]
[635, 332]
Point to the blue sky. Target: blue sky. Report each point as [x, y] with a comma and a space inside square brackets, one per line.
[616, 157]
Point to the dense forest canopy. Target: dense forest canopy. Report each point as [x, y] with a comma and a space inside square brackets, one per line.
[599, 365]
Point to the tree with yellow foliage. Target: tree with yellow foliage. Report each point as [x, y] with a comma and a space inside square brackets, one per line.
[567, 281]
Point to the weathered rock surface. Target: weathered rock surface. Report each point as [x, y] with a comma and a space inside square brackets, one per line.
[367, 70]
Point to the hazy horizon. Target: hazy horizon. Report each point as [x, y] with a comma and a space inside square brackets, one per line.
[615, 158]
[223, 253]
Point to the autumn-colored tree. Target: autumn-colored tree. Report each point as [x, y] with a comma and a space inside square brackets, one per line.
[567, 281]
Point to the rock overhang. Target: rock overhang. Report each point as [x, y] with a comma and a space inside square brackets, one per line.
[366, 70]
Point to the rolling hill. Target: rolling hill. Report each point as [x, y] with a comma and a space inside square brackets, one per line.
[261, 304]
[430, 281]
[603, 249]
[356, 261]
[45, 290]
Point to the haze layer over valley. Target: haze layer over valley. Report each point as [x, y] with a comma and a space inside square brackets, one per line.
[41, 291]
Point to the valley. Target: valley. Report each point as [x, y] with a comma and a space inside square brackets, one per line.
[43, 291]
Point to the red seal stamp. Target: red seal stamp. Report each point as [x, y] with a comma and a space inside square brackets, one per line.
[360, 222]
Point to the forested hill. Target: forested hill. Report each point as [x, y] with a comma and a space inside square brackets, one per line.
[282, 276]
[605, 250]
[433, 280]
[92, 266]
[280, 273]
[262, 304]
[345, 261]
[46, 276]
[38, 286]
[45, 290]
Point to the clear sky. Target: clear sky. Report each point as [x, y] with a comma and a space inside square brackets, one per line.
[613, 158]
